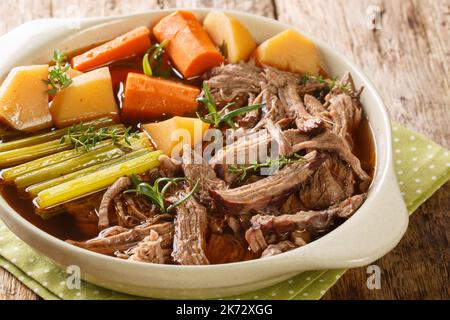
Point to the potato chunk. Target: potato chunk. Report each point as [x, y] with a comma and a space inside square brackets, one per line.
[169, 136]
[227, 32]
[89, 97]
[290, 51]
[24, 99]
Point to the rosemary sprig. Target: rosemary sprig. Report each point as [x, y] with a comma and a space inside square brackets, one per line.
[157, 195]
[153, 60]
[215, 117]
[254, 166]
[331, 83]
[87, 137]
[57, 76]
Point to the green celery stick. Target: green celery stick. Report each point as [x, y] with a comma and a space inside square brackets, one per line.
[85, 160]
[49, 136]
[10, 174]
[95, 181]
[36, 188]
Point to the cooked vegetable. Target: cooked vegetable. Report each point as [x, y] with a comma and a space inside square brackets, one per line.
[157, 196]
[87, 137]
[89, 97]
[216, 117]
[48, 136]
[190, 47]
[290, 51]
[166, 135]
[22, 155]
[24, 99]
[148, 98]
[10, 174]
[153, 61]
[35, 189]
[85, 160]
[227, 32]
[58, 76]
[132, 43]
[95, 181]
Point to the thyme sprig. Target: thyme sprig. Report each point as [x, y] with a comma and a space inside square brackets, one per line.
[153, 60]
[216, 117]
[87, 137]
[254, 166]
[157, 195]
[330, 83]
[57, 76]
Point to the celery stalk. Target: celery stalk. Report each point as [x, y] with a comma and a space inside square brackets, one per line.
[49, 136]
[35, 189]
[96, 181]
[26, 154]
[86, 160]
[10, 174]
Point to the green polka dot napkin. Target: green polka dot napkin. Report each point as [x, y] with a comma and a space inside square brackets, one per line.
[422, 168]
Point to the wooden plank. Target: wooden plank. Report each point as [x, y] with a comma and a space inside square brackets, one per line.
[12, 289]
[408, 63]
[260, 7]
[406, 60]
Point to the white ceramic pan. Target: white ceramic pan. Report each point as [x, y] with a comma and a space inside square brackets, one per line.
[372, 232]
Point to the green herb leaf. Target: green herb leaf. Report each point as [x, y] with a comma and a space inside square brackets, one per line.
[153, 60]
[88, 137]
[157, 195]
[246, 170]
[215, 117]
[57, 76]
[331, 83]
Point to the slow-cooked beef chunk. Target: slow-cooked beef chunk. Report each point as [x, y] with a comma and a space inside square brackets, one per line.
[346, 116]
[198, 171]
[150, 250]
[311, 222]
[287, 85]
[278, 248]
[114, 190]
[191, 225]
[273, 189]
[329, 141]
[331, 184]
[235, 83]
[118, 239]
[84, 213]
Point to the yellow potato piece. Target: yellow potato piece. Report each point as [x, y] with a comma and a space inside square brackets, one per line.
[90, 96]
[24, 99]
[169, 136]
[290, 51]
[227, 31]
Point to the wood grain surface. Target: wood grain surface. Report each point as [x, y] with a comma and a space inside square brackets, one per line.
[407, 58]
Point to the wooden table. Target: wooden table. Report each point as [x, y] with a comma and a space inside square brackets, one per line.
[408, 60]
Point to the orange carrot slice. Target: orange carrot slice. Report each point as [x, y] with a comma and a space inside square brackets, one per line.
[190, 47]
[148, 98]
[132, 43]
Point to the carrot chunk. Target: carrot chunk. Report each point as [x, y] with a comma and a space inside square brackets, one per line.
[132, 43]
[149, 98]
[190, 47]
